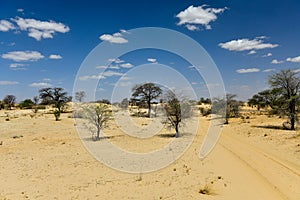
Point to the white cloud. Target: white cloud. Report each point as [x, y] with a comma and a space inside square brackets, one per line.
[20, 10]
[54, 56]
[85, 78]
[9, 82]
[116, 60]
[101, 67]
[201, 15]
[41, 84]
[269, 70]
[16, 65]
[126, 65]
[267, 55]
[252, 52]
[23, 56]
[113, 67]
[295, 59]
[246, 45]
[275, 61]
[111, 73]
[40, 29]
[116, 38]
[47, 79]
[125, 78]
[153, 60]
[249, 70]
[192, 27]
[6, 26]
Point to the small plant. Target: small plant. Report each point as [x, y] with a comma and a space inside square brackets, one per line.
[207, 190]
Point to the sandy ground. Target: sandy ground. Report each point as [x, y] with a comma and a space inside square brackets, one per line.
[45, 159]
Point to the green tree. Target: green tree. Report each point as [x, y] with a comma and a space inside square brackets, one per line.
[27, 104]
[146, 93]
[56, 96]
[287, 82]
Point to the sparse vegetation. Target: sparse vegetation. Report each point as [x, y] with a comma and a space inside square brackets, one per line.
[97, 116]
[176, 111]
[227, 107]
[9, 101]
[146, 93]
[79, 96]
[206, 190]
[55, 96]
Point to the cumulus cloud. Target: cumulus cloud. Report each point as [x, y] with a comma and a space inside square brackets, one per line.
[252, 52]
[40, 84]
[105, 74]
[15, 65]
[126, 65]
[40, 29]
[192, 27]
[111, 73]
[275, 61]
[115, 60]
[295, 59]
[198, 15]
[267, 55]
[6, 26]
[9, 82]
[55, 56]
[20, 10]
[248, 70]
[116, 38]
[269, 70]
[85, 78]
[19, 56]
[246, 45]
[153, 60]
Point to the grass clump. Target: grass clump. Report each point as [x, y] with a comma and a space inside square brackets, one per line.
[206, 190]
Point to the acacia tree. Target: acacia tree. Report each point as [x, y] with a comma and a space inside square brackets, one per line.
[57, 97]
[228, 107]
[288, 83]
[97, 115]
[79, 96]
[146, 93]
[9, 101]
[176, 111]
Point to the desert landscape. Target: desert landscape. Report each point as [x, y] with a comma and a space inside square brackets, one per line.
[45, 159]
[149, 100]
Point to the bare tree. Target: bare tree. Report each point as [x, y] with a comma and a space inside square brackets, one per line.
[176, 111]
[36, 102]
[146, 93]
[97, 115]
[79, 96]
[57, 97]
[288, 83]
[9, 101]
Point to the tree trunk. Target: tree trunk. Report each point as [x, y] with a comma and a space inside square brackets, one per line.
[149, 109]
[177, 131]
[98, 133]
[292, 113]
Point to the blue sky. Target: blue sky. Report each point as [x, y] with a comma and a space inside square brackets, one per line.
[43, 43]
